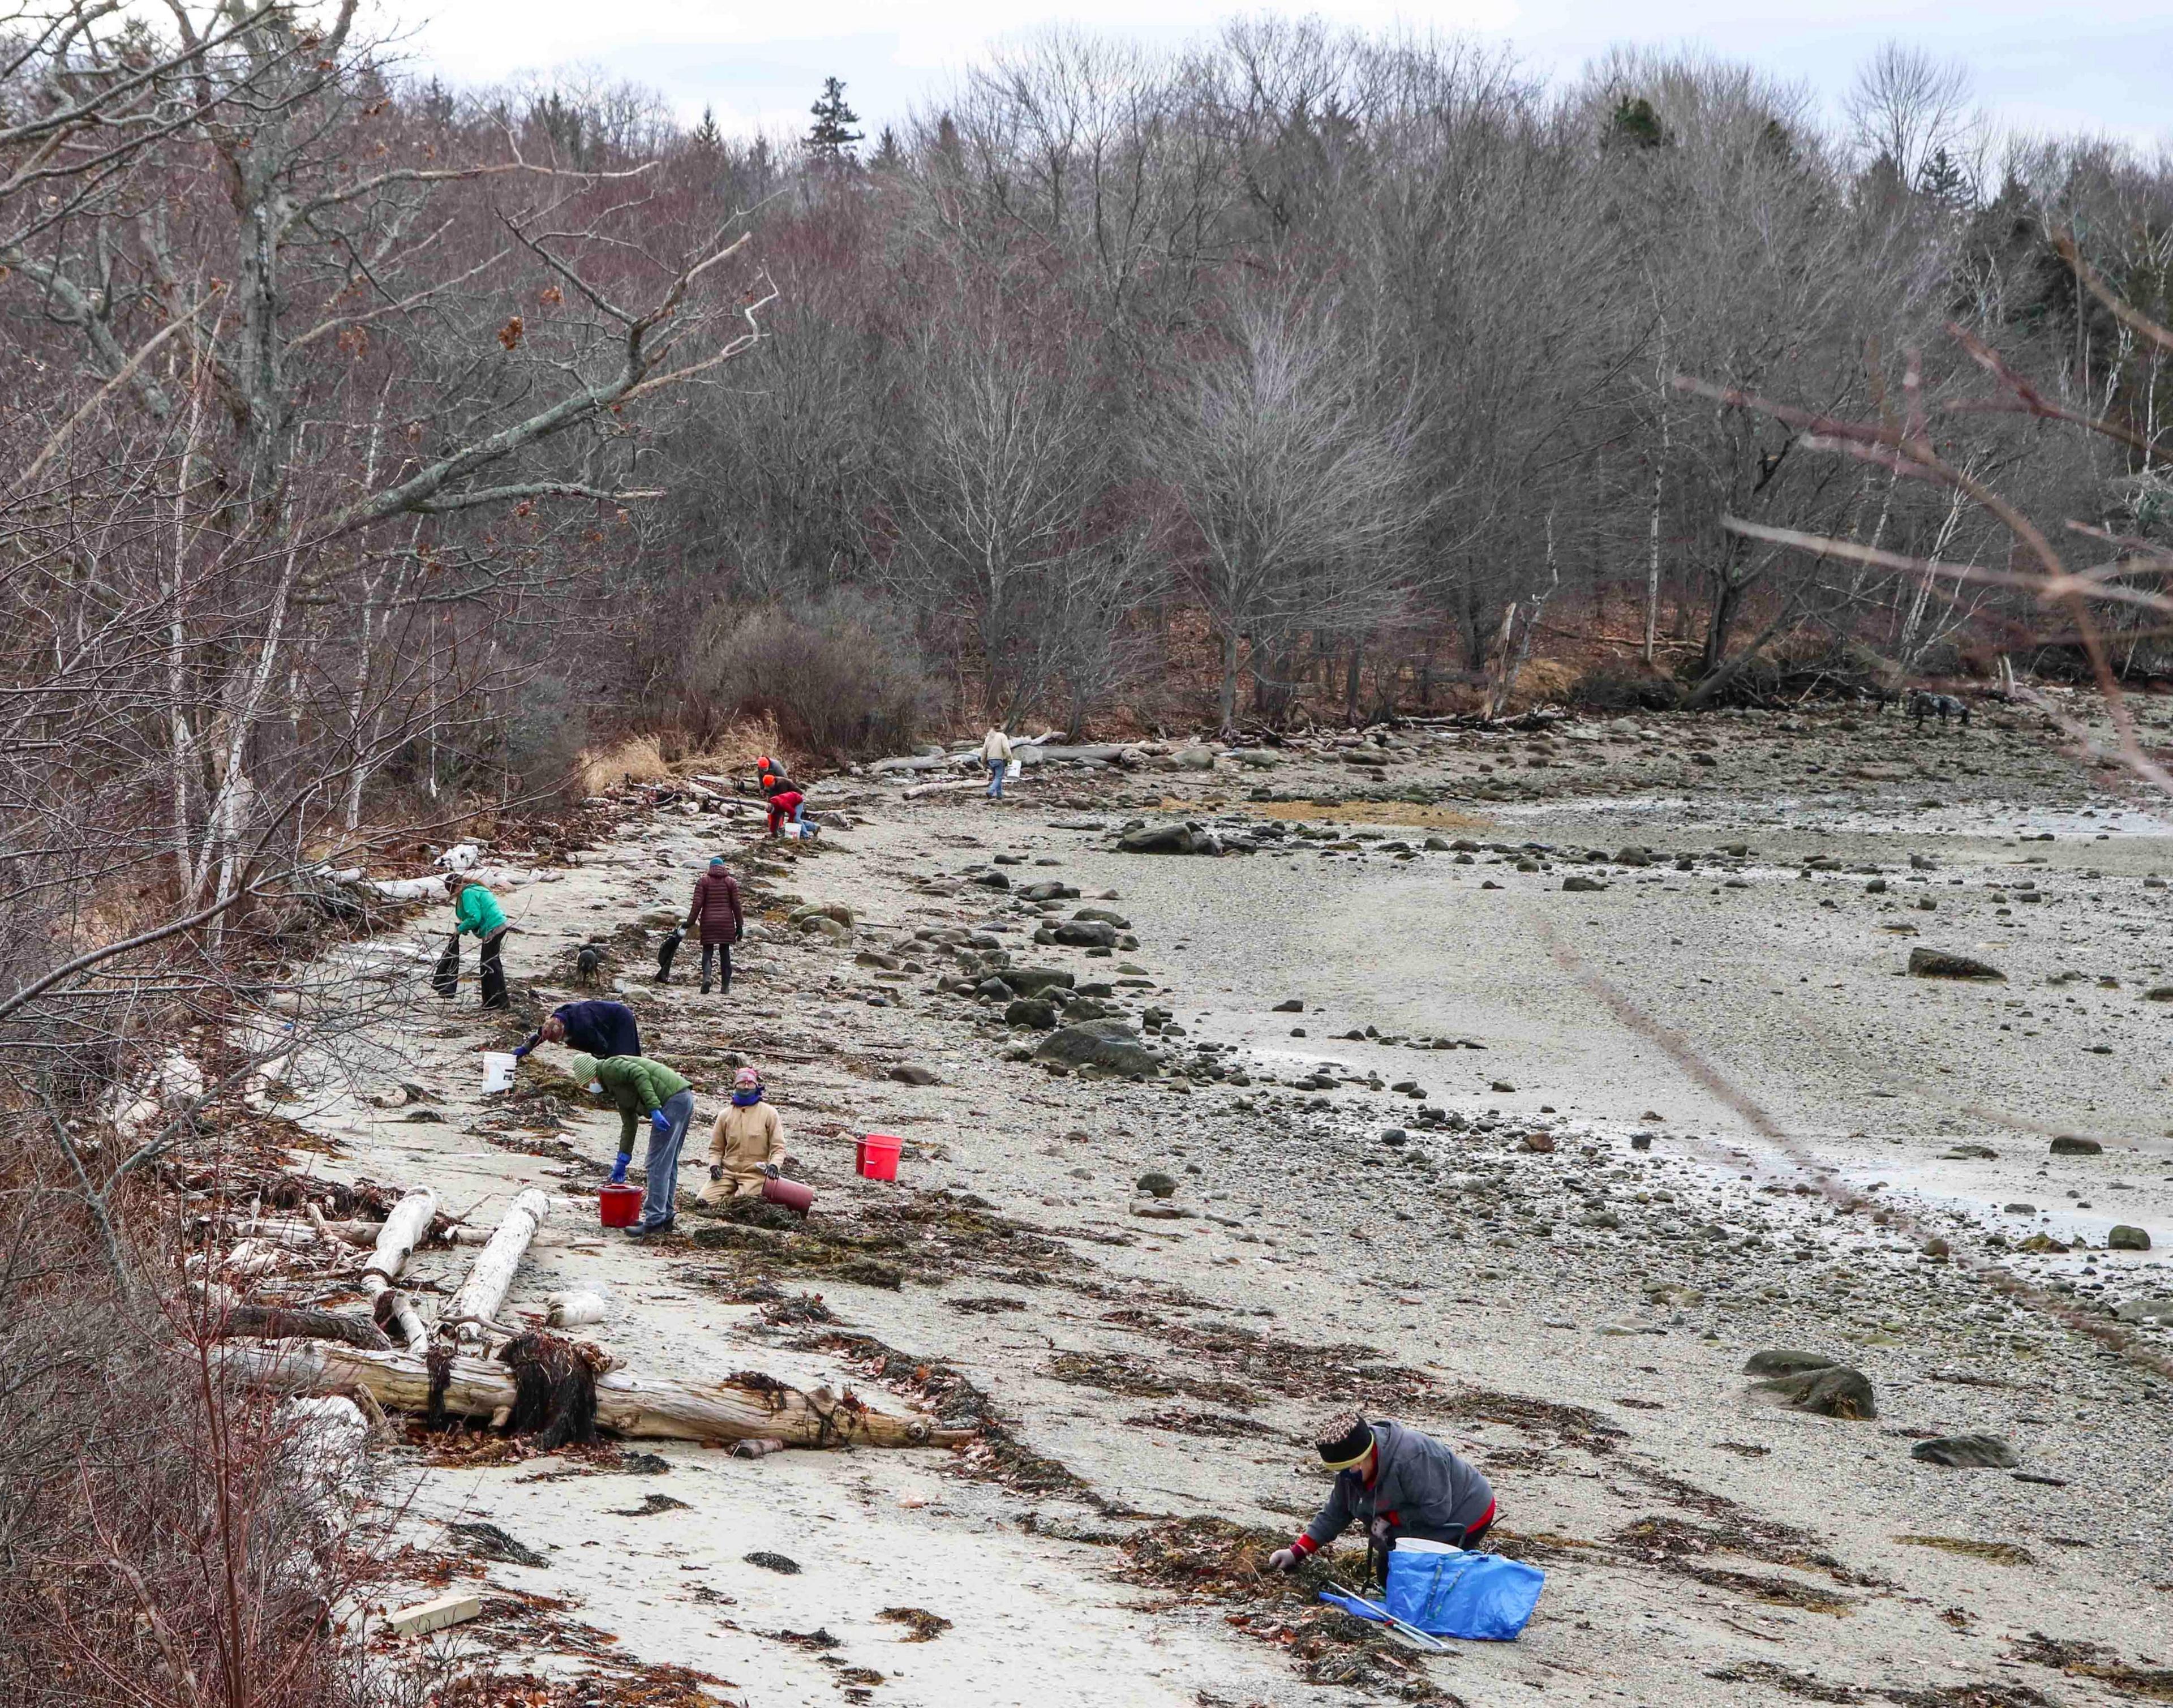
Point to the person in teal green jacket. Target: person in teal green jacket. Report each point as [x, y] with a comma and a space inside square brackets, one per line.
[476, 909]
[641, 1086]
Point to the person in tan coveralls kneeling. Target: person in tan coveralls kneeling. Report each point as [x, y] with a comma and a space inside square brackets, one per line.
[746, 1145]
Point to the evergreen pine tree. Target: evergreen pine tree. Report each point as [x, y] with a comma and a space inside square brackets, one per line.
[890, 154]
[1940, 179]
[1636, 124]
[706, 134]
[832, 136]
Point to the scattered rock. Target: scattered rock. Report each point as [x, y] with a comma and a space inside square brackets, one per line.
[1156, 1209]
[912, 1074]
[1783, 1361]
[2074, 1145]
[1971, 1153]
[1574, 883]
[1967, 1452]
[2125, 1238]
[1109, 1044]
[1157, 839]
[1501, 1085]
[1634, 855]
[1934, 963]
[1293, 1006]
[1156, 1184]
[1033, 981]
[1836, 1391]
[823, 925]
[2158, 1310]
[1031, 1010]
[1541, 1142]
[773, 1562]
[1087, 934]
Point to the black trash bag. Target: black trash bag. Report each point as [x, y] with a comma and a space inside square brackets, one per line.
[446, 980]
[664, 952]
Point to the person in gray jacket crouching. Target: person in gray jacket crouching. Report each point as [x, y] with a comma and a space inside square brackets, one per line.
[1398, 1482]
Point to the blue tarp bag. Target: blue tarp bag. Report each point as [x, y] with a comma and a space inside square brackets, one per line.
[1456, 1593]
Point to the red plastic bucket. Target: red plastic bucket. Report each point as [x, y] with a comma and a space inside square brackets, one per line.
[877, 1156]
[789, 1193]
[620, 1206]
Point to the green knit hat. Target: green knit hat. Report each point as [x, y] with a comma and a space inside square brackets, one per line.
[583, 1068]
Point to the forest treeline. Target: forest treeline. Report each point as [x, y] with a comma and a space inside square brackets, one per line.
[372, 438]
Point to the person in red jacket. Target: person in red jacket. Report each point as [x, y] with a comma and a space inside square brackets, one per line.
[716, 909]
[786, 803]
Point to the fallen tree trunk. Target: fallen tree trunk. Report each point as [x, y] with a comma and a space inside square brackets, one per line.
[921, 789]
[282, 1323]
[405, 1228]
[1106, 753]
[474, 1309]
[637, 1407]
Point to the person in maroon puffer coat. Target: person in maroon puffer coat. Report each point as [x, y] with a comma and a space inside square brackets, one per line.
[716, 909]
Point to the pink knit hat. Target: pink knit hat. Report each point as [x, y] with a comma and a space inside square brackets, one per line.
[746, 1079]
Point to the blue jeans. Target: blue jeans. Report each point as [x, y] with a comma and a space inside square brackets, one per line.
[995, 778]
[663, 1162]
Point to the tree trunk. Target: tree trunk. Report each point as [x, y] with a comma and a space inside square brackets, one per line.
[404, 1229]
[641, 1408]
[280, 1323]
[475, 1307]
[1229, 698]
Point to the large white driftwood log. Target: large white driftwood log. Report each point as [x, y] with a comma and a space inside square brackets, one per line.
[921, 789]
[641, 1408]
[405, 1228]
[474, 1309]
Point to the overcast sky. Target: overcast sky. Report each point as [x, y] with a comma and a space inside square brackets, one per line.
[2103, 66]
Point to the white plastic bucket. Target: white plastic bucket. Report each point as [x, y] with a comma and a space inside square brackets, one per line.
[497, 1066]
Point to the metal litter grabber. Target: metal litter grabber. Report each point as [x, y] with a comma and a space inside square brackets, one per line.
[1356, 1604]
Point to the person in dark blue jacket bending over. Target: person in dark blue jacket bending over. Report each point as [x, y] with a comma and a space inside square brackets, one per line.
[1397, 1483]
[597, 1028]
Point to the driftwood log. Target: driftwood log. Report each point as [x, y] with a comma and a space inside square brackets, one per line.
[474, 1308]
[405, 1228]
[640, 1408]
[286, 1322]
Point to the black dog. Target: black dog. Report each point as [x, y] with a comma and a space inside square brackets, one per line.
[665, 950]
[588, 963]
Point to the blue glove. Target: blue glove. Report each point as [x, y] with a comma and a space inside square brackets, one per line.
[519, 1051]
[660, 1124]
[618, 1168]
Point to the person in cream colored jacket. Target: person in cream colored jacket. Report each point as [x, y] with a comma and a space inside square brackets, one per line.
[746, 1145]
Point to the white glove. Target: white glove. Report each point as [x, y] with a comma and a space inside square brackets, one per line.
[1284, 1559]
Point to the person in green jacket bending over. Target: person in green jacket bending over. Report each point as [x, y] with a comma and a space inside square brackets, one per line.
[476, 909]
[641, 1087]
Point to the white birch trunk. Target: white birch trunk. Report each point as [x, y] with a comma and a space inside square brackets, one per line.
[403, 1230]
[475, 1307]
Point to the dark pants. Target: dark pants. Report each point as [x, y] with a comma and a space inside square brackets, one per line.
[723, 951]
[494, 972]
